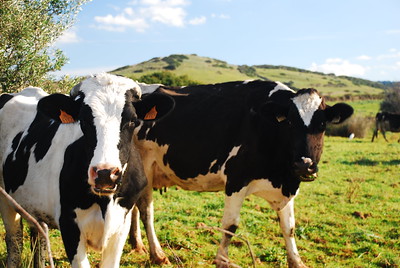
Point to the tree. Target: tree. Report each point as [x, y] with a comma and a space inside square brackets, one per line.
[28, 31]
[167, 78]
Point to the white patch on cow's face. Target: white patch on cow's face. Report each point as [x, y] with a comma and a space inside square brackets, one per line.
[278, 87]
[105, 95]
[307, 104]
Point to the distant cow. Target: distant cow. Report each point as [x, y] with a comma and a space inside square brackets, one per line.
[244, 138]
[70, 161]
[385, 121]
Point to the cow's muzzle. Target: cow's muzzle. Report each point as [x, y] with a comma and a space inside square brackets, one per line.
[306, 169]
[105, 180]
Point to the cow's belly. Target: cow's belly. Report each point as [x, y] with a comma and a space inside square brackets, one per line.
[162, 175]
[210, 182]
[264, 189]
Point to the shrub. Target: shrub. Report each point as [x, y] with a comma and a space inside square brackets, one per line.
[174, 61]
[359, 125]
[167, 78]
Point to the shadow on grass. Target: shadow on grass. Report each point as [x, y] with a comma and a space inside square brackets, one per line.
[368, 162]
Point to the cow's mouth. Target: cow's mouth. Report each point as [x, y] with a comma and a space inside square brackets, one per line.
[308, 177]
[104, 190]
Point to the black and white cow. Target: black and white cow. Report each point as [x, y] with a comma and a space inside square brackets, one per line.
[70, 161]
[244, 138]
[385, 121]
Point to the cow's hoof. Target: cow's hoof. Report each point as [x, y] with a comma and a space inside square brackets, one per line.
[140, 250]
[160, 260]
[221, 263]
[297, 264]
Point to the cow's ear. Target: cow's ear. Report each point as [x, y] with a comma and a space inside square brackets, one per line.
[339, 112]
[275, 111]
[59, 107]
[154, 106]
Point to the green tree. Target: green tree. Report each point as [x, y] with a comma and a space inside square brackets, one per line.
[167, 78]
[28, 31]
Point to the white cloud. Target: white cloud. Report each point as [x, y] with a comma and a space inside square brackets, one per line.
[393, 54]
[364, 57]
[143, 13]
[339, 67]
[220, 16]
[68, 37]
[393, 31]
[173, 16]
[120, 22]
[197, 21]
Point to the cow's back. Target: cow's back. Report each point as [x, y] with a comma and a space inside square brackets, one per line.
[16, 114]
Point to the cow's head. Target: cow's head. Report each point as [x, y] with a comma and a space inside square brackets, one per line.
[303, 118]
[103, 107]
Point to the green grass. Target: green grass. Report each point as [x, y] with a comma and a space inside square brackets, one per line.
[348, 217]
[366, 108]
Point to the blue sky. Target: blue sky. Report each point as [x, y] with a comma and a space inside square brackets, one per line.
[358, 38]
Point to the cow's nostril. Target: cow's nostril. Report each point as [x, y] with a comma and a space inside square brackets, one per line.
[104, 174]
[313, 168]
[116, 171]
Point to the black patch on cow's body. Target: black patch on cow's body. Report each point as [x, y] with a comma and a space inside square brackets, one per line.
[4, 98]
[15, 167]
[209, 121]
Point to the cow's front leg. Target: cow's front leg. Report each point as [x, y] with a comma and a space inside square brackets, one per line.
[230, 223]
[13, 225]
[287, 223]
[74, 242]
[115, 235]
[38, 247]
[145, 205]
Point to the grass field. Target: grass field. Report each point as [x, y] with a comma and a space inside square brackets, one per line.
[348, 217]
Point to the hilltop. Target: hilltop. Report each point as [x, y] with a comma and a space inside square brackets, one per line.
[208, 70]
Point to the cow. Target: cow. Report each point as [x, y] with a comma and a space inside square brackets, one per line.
[70, 162]
[246, 137]
[385, 121]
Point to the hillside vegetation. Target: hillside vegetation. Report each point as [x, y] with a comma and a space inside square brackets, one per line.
[208, 70]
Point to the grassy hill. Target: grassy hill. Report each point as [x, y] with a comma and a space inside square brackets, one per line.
[208, 70]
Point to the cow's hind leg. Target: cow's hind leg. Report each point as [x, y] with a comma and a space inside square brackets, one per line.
[384, 136]
[38, 247]
[374, 135]
[230, 223]
[287, 223]
[13, 224]
[135, 237]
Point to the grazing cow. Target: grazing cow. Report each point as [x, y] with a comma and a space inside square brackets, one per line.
[245, 138]
[70, 162]
[385, 121]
